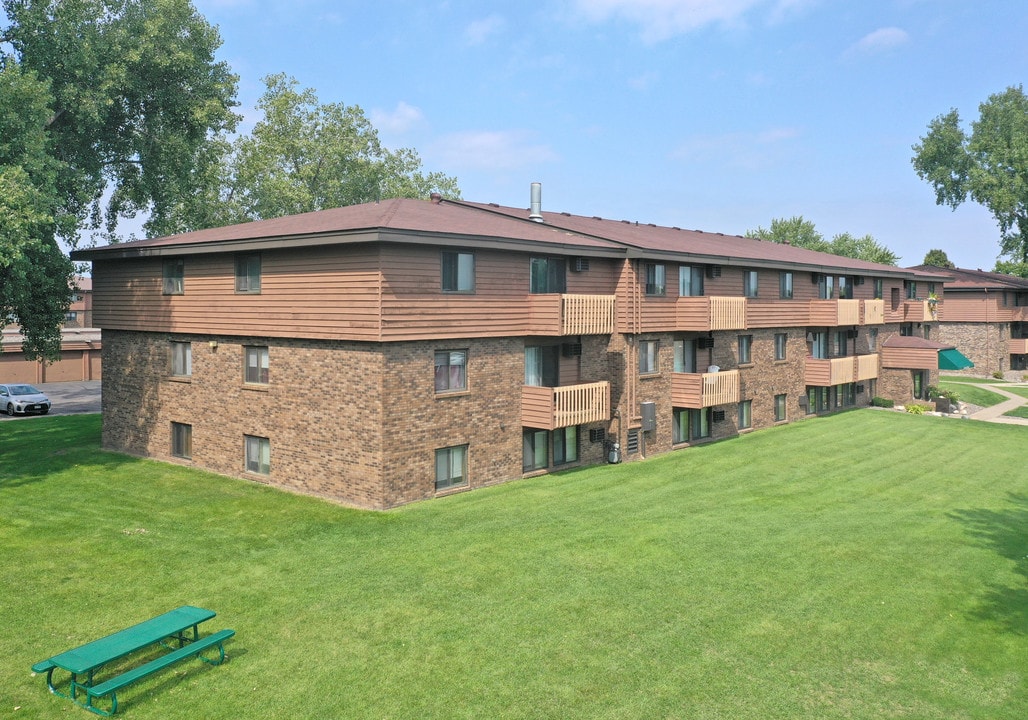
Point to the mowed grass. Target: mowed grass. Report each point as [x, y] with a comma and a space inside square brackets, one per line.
[865, 565]
[972, 393]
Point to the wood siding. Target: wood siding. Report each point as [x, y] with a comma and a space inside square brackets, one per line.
[700, 390]
[1018, 346]
[910, 358]
[549, 408]
[837, 371]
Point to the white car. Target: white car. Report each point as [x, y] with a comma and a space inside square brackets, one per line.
[23, 399]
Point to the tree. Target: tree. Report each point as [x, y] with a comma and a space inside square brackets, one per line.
[802, 233]
[107, 108]
[1012, 268]
[937, 258]
[989, 166]
[304, 156]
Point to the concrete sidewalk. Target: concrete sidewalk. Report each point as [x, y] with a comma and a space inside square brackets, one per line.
[996, 412]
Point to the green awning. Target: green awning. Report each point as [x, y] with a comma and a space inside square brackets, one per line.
[953, 359]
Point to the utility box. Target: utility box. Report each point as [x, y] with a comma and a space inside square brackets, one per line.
[649, 416]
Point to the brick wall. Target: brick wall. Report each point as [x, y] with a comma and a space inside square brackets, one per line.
[985, 344]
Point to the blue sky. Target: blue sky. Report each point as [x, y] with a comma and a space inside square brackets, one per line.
[711, 114]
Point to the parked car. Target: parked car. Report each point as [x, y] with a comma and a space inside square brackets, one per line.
[23, 399]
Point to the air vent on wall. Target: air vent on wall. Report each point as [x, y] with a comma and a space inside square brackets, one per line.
[571, 349]
[815, 278]
[858, 280]
[597, 435]
[718, 415]
[713, 271]
[705, 343]
[580, 264]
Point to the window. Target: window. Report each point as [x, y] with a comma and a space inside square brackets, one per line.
[679, 425]
[818, 344]
[872, 339]
[699, 421]
[248, 273]
[780, 405]
[745, 349]
[174, 277]
[648, 359]
[71, 316]
[911, 289]
[817, 400]
[931, 288]
[256, 365]
[547, 275]
[565, 445]
[894, 297]
[879, 289]
[182, 440]
[458, 271]
[181, 359]
[845, 288]
[920, 383]
[749, 283]
[781, 342]
[258, 454]
[907, 329]
[451, 370]
[840, 347]
[848, 394]
[533, 449]
[745, 414]
[825, 287]
[785, 285]
[690, 280]
[451, 467]
[685, 356]
[542, 366]
[655, 283]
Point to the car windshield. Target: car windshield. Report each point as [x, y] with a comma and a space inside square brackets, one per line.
[23, 390]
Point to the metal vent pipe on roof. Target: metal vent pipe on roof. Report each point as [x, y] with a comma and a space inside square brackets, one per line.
[536, 214]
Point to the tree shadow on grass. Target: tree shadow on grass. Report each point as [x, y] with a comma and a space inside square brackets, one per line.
[1006, 532]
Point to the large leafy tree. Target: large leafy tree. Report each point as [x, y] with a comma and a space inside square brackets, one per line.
[107, 109]
[989, 165]
[304, 156]
[802, 233]
[938, 258]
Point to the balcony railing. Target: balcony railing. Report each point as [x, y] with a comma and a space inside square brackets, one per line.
[918, 311]
[554, 314]
[874, 312]
[837, 371]
[1018, 346]
[701, 390]
[549, 408]
[833, 313]
[706, 313]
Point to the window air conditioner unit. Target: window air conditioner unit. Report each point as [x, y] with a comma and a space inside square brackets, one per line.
[718, 415]
[851, 334]
[860, 389]
[713, 271]
[580, 264]
[705, 343]
[858, 280]
[815, 278]
[597, 435]
[571, 349]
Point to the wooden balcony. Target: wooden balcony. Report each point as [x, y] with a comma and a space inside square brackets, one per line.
[549, 408]
[1018, 346]
[837, 371]
[700, 390]
[918, 311]
[704, 314]
[562, 315]
[832, 313]
[874, 312]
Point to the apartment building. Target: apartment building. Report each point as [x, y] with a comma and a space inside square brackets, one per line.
[986, 313]
[396, 351]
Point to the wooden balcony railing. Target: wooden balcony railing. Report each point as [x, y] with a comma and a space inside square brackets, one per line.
[549, 408]
[837, 371]
[1018, 346]
[706, 313]
[918, 311]
[874, 312]
[833, 313]
[562, 315]
[700, 390]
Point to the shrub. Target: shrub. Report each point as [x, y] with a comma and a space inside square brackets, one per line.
[882, 402]
[918, 408]
[998, 375]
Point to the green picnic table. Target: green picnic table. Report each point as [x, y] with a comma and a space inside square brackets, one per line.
[169, 629]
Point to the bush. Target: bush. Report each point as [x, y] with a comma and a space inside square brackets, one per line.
[998, 375]
[918, 408]
[882, 402]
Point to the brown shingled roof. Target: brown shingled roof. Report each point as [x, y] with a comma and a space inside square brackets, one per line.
[964, 279]
[912, 341]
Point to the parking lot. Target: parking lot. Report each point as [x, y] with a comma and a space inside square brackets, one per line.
[68, 398]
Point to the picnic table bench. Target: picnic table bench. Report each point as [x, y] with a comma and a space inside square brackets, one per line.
[166, 630]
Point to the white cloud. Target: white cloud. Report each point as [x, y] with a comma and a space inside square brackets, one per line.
[878, 41]
[491, 150]
[745, 151]
[477, 32]
[662, 19]
[397, 121]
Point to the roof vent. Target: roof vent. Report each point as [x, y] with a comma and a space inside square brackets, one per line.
[536, 214]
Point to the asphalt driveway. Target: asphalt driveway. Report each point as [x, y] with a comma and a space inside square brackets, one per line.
[68, 398]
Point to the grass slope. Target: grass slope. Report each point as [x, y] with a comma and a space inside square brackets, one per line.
[864, 565]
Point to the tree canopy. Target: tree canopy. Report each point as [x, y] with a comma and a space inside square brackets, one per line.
[107, 108]
[802, 233]
[937, 258]
[304, 156]
[989, 165]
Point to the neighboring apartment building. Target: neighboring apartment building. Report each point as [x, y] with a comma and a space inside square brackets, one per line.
[80, 346]
[986, 314]
[386, 353]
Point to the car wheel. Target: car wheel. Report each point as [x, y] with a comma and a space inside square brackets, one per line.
[44, 411]
[10, 409]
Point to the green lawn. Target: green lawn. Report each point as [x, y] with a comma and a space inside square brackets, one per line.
[865, 565]
[970, 380]
[972, 393]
